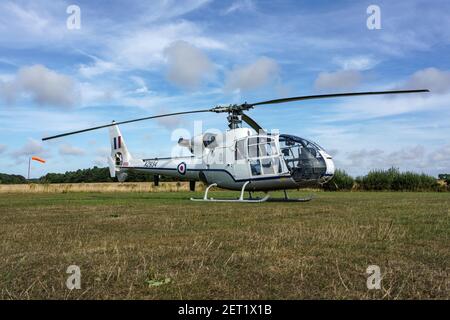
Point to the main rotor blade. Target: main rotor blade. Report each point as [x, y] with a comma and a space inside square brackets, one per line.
[123, 122]
[252, 123]
[336, 95]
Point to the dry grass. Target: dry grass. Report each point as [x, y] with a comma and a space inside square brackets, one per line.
[321, 249]
[98, 187]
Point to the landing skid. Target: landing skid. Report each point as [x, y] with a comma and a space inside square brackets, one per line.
[249, 200]
[290, 200]
[286, 199]
[234, 200]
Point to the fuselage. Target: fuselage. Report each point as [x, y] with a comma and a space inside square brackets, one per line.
[268, 161]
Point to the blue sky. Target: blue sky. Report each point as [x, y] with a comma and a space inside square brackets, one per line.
[137, 58]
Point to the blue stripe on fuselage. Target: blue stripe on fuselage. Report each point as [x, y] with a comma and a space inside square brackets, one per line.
[216, 170]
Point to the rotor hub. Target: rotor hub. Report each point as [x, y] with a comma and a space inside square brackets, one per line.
[235, 112]
[232, 108]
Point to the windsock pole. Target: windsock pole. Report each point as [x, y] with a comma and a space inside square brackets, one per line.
[29, 168]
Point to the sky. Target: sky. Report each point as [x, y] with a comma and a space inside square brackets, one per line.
[126, 60]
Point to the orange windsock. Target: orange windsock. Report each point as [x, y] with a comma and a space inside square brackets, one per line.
[38, 159]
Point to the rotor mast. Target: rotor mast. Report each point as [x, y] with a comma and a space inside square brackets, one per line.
[234, 120]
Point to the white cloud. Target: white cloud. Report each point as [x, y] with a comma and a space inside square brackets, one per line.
[441, 155]
[26, 19]
[359, 63]
[44, 86]
[100, 162]
[170, 123]
[31, 148]
[145, 47]
[69, 150]
[93, 94]
[99, 67]
[430, 78]
[187, 65]
[167, 9]
[240, 5]
[47, 86]
[406, 154]
[2, 148]
[39, 23]
[142, 86]
[25, 24]
[359, 157]
[249, 77]
[363, 153]
[407, 158]
[8, 91]
[364, 108]
[343, 79]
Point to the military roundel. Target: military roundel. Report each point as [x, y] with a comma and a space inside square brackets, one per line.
[181, 168]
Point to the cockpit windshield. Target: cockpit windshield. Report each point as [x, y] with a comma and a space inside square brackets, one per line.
[292, 140]
[303, 157]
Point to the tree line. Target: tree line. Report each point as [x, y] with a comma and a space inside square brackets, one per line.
[376, 180]
[12, 179]
[94, 174]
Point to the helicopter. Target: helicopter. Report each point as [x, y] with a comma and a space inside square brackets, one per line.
[244, 159]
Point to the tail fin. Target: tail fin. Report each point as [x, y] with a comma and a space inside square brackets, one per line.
[119, 154]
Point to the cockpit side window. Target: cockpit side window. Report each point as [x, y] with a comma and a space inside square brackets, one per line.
[255, 166]
[253, 151]
[261, 147]
[240, 150]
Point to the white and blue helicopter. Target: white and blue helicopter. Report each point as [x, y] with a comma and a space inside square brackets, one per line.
[245, 159]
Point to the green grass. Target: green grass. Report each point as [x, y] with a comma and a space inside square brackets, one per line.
[161, 246]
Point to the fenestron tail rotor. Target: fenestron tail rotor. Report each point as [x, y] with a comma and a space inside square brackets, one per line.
[235, 111]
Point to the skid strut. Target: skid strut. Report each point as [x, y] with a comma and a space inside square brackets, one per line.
[241, 197]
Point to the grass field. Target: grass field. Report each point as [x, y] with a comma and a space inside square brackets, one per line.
[161, 245]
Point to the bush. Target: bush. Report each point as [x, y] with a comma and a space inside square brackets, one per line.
[409, 181]
[393, 179]
[378, 179]
[340, 181]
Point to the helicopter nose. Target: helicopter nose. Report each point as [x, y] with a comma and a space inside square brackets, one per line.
[329, 173]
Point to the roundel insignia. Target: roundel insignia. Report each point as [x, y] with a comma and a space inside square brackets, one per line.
[181, 168]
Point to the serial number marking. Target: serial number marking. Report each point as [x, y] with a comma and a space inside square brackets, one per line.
[150, 163]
